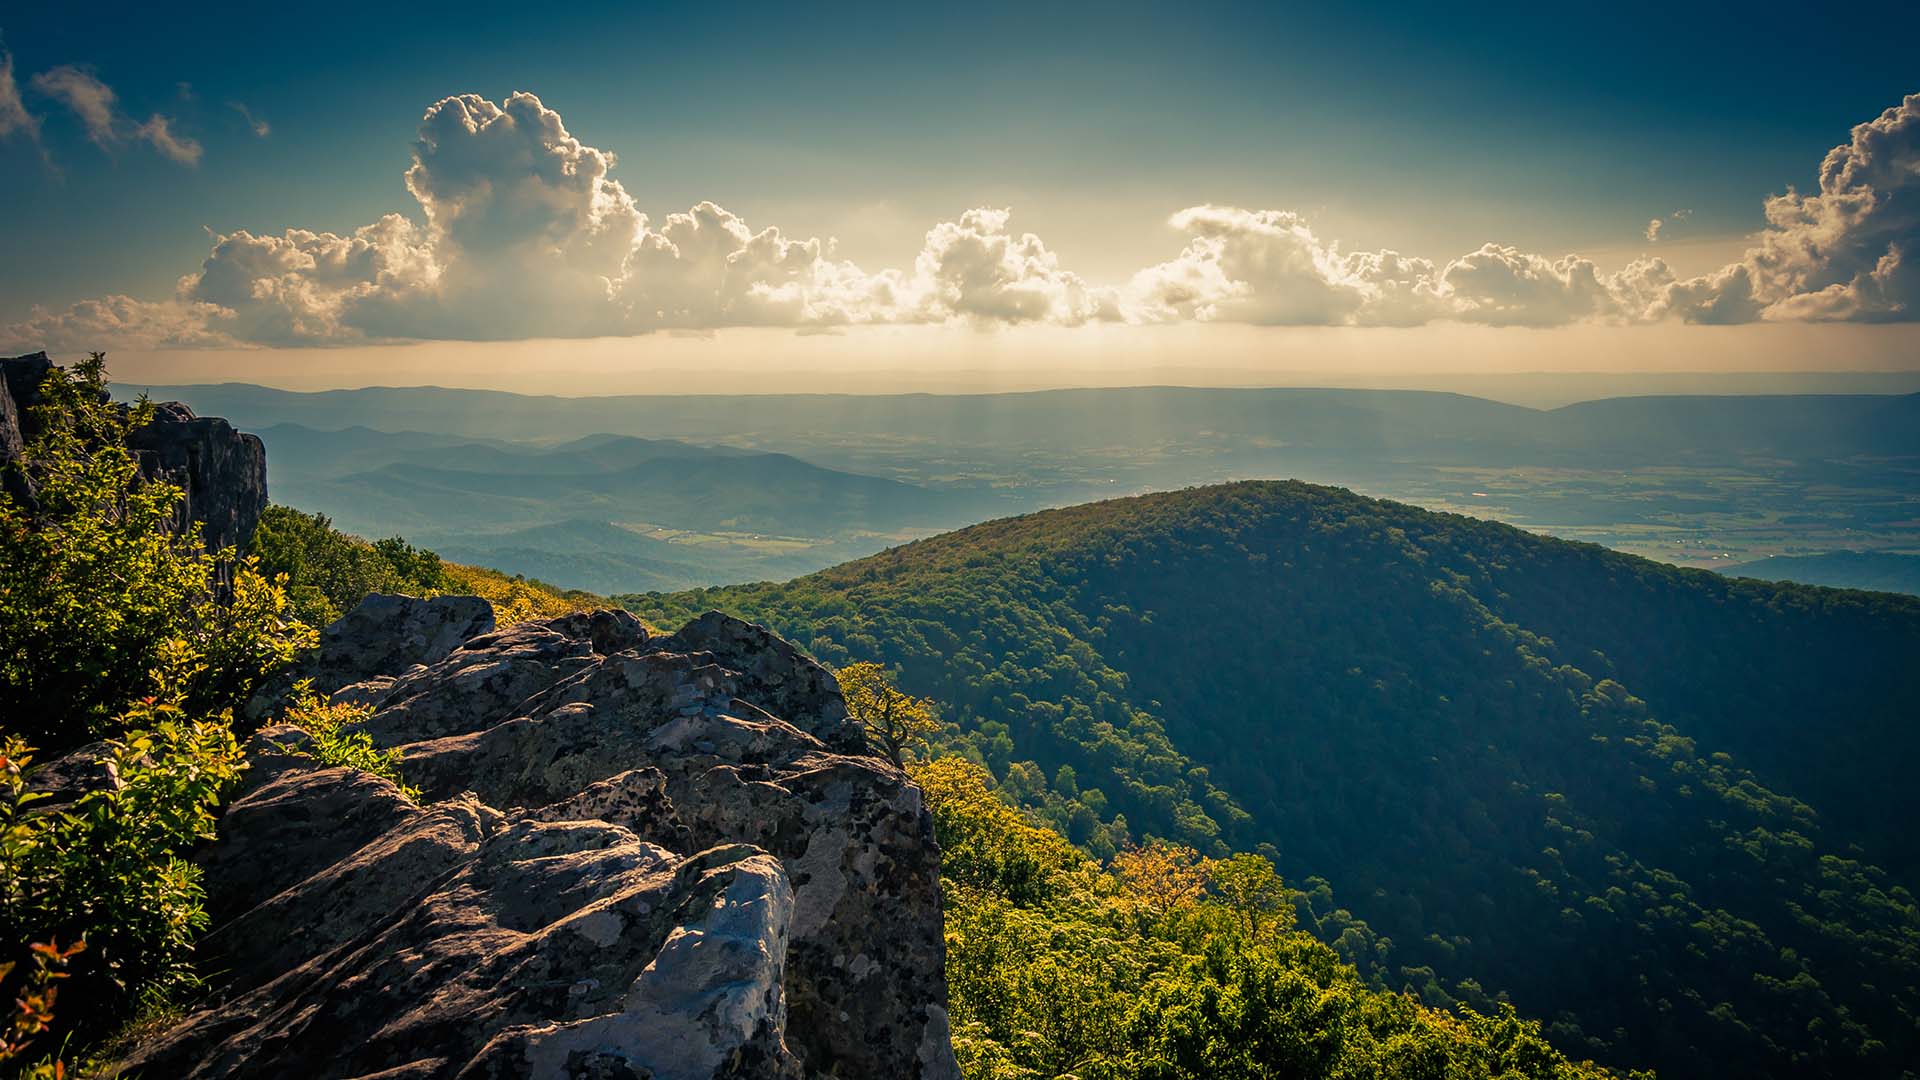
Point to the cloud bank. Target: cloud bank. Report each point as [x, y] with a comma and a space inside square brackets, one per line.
[521, 230]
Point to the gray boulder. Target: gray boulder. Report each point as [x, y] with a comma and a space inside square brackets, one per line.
[665, 857]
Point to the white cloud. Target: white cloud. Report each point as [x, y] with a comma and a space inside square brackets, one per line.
[95, 103]
[1255, 266]
[260, 128]
[975, 269]
[1503, 286]
[122, 322]
[1653, 229]
[13, 111]
[527, 234]
[90, 99]
[523, 231]
[1267, 267]
[158, 130]
[1850, 251]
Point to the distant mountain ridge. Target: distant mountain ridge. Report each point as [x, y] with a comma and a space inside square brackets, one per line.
[1882, 571]
[1328, 418]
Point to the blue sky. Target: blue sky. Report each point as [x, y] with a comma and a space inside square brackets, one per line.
[1426, 130]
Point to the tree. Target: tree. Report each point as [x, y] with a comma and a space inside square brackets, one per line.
[900, 721]
[1252, 888]
[1162, 877]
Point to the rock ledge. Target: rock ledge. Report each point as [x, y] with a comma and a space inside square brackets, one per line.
[638, 856]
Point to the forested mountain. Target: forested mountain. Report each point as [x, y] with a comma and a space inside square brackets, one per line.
[1668, 810]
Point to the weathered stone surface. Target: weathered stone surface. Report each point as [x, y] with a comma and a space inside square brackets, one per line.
[388, 635]
[222, 472]
[642, 857]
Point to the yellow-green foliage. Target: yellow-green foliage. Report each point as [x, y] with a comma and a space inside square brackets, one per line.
[1169, 966]
[516, 598]
[113, 627]
[901, 722]
[333, 744]
[328, 572]
[107, 869]
[99, 600]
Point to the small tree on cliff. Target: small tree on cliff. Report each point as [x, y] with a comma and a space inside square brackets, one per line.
[900, 721]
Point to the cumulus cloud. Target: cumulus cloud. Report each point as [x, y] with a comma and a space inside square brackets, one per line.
[522, 230]
[122, 322]
[527, 234]
[1850, 250]
[1267, 267]
[976, 268]
[14, 116]
[1653, 229]
[1255, 266]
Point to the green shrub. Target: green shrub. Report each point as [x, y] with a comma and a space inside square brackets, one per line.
[107, 869]
[332, 744]
[327, 571]
[115, 630]
[100, 599]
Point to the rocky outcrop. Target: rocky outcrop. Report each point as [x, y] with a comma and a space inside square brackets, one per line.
[637, 856]
[222, 472]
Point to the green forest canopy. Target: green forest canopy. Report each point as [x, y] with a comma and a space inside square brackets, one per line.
[1664, 809]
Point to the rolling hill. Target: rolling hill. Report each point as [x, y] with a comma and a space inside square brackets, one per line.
[1488, 758]
[412, 480]
[604, 512]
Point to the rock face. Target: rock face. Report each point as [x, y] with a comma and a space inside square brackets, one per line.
[637, 856]
[222, 471]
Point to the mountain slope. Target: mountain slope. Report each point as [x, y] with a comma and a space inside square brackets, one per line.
[1651, 803]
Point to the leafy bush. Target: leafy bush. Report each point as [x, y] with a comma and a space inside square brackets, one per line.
[333, 744]
[114, 628]
[107, 869]
[327, 572]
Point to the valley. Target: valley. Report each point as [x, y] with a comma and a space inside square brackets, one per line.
[672, 492]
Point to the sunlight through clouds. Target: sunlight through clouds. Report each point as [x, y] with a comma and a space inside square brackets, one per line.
[523, 231]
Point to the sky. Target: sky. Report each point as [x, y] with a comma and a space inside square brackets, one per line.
[886, 196]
